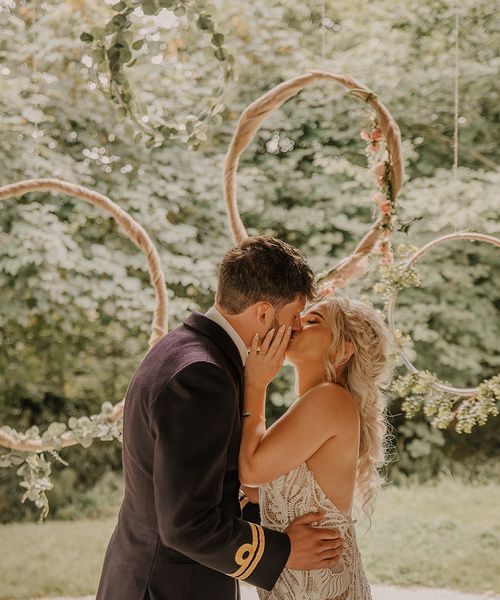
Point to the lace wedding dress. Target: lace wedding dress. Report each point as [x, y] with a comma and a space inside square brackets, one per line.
[289, 497]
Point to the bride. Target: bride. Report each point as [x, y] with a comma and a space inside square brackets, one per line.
[325, 451]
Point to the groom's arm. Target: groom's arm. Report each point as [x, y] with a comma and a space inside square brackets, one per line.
[192, 422]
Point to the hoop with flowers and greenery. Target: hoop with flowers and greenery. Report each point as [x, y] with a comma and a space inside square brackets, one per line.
[422, 390]
[380, 163]
[419, 390]
[384, 157]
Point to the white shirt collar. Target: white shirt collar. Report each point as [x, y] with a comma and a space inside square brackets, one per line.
[218, 318]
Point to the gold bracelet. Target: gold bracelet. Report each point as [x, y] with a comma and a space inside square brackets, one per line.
[249, 414]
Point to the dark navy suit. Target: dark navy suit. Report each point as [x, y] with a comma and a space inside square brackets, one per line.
[180, 535]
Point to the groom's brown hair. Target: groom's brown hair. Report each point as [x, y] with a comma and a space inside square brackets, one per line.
[263, 268]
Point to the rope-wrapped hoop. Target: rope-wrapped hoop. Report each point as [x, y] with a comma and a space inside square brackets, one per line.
[139, 237]
[459, 235]
[249, 123]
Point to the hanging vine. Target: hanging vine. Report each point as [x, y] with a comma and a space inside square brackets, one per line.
[123, 41]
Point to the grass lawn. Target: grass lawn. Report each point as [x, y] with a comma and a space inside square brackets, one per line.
[447, 535]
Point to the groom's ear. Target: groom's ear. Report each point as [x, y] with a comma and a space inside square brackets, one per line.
[264, 314]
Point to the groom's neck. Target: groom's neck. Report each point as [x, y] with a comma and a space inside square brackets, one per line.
[240, 323]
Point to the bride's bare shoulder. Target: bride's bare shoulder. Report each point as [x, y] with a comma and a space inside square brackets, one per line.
[331, 399]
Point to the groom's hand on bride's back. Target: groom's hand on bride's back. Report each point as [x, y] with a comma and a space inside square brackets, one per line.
[313, 547]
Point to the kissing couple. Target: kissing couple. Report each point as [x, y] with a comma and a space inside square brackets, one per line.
[212, 496]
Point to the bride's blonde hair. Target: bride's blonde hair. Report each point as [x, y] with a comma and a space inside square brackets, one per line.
[366, 373]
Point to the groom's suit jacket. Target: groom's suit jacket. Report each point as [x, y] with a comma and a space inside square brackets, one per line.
[180, 535]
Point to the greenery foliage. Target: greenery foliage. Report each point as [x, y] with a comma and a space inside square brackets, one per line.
[126, 42]
[423, 390]
[33, 467]
[75, 302]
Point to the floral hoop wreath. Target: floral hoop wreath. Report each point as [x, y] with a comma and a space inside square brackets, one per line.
[384, 157]
[444, 402]
[105, 425]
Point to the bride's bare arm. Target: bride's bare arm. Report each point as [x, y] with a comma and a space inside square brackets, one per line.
[312, 420]
[316, 417]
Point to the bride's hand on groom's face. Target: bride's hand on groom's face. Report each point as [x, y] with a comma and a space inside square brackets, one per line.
[265, 359]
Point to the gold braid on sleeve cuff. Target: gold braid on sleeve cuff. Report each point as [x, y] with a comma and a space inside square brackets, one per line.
[248, 555]
[243, 501]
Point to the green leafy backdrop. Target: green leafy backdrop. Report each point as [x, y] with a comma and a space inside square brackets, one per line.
[75, 302]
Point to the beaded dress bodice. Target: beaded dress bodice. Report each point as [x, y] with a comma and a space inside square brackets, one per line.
[284, 500]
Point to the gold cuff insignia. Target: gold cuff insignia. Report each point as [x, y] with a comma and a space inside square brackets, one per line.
[248, 555]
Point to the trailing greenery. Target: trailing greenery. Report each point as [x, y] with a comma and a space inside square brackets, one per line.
[419, 390]
[75, 302]
[445, 408]
[34, 468]
[124, 42]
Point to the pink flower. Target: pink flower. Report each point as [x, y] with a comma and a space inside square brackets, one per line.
[327, 290]
[379, 172]
[385, 207]
[373, 147]
[377, 134]
[365, 135]
[386, 250]
[382, 202]
[379, 198]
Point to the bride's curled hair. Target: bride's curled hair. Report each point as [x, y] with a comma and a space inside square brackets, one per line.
[366, 373]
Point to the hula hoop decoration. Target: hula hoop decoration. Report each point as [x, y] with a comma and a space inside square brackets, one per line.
[27, 448]
[384, 158]
[423, 390]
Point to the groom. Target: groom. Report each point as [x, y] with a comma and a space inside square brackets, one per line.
[181, 534]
